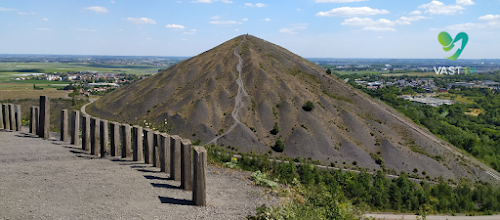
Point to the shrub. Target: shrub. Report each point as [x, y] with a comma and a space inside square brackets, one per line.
[309, 106]
[261, 179]
[279, 146]
[276, 129]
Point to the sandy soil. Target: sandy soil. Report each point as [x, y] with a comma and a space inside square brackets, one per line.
[49, 179]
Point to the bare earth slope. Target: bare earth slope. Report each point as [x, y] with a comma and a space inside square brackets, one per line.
[199, 95]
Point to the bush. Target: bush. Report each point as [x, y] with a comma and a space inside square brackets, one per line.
[261, 179]
[279, 146]
[309, 106]
[276, 129]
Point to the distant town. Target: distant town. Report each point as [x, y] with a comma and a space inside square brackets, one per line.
[108, 73]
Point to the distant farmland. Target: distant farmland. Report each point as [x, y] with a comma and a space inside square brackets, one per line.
[65, 67]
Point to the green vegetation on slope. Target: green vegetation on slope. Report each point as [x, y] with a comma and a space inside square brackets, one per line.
[478, 135]
[328, 194]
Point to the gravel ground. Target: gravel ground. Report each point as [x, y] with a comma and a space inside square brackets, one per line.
[49, 179]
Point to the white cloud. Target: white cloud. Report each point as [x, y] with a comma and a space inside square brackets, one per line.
[380, 24]
[175, 26]
[351, 12]
[178, 1]
[192, 31]
[210, 1]
[236, 29]
[97, 9]
[113, 2]
[223, 22]
[267, 19]
[7, 9]
[184, 39]
[22, 13]
[140, 20]
[378, 29]
[416, 12]
[298, 9]
[493, 20]
[43, 29]
[45, 19]
[338, 1]
[461, 27]
[215, 17]
[259, 5]
[83, 29]
[379, 37]
[465, 2]
[437, 7]
[294, 28]
[244, 19]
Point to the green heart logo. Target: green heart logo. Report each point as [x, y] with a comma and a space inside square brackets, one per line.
[448, 43]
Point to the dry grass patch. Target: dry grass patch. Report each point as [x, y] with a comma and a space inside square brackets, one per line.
[29, 93]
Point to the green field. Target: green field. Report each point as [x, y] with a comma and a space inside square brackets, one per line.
[386, 73]
[65, 67]
[7, 74]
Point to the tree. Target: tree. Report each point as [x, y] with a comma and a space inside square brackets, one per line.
[309, 106]
[276, 129]
[328, 71]
[279, 146]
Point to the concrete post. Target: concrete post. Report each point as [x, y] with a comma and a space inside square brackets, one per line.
[1, 116]
[12, 117]
[115, 139]
[44, 121]
[126, 141]
[5, 108]
[175, 157]
[19, 115]
[75, 128]
[32, 120]
[64, 125]
[148, 146]
[104, 138]
[186, 171]
[164, 147]
[95, 140]
[86, 133]
[156, 150]
[37, 120]
[199, 180]
[137, 144]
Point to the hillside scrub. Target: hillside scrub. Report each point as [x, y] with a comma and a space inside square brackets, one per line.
[478, 135]
[309, 106]
[328, 193]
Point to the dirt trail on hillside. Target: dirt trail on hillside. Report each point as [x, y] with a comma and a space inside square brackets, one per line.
[238, 102]
[50, 179]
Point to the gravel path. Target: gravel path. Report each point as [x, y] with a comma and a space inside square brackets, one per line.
[49, 179]
[238, 102]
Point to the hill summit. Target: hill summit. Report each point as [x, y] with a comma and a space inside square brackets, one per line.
[249, 94]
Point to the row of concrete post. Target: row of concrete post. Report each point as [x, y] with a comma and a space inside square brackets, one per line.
[170, 153]
[10, 117]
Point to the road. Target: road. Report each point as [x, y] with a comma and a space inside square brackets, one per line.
[85, 106]
[238, 102]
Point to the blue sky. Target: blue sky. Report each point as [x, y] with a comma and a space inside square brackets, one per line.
[310, 28]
